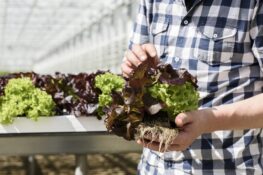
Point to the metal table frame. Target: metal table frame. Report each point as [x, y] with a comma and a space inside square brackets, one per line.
[77, 143]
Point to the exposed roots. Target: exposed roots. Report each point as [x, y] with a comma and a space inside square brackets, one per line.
[164, 135]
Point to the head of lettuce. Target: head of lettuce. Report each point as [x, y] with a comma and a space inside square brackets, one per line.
[22, 98]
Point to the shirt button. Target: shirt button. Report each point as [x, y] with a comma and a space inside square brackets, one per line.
[215, 35]
[186, 22]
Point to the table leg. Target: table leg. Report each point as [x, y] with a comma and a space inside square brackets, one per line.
[31, 165]
[81, 164]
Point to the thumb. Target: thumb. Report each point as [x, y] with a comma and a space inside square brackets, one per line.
[182, 119]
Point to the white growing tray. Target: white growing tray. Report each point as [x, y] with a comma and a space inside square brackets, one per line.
[60, 134]
[57, 124]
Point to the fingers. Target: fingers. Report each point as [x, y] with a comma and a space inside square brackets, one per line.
[132, 58]
[181, 139]
[139, 52]
[136, 56]
[151, 51]
[146, 51]
[126, 68]
[182, 119]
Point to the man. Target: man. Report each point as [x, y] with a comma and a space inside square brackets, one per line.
[220, 42]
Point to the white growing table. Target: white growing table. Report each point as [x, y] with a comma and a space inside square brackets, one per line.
[61, 134]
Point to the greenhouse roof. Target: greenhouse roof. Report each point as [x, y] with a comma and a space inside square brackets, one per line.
[31, 28]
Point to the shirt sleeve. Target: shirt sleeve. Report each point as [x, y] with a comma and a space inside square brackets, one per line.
[256, 33]
[140, 34]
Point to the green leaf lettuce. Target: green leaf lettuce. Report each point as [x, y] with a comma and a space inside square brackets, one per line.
[22, 98]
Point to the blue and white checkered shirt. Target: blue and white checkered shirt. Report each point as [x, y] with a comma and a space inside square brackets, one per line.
[220, 42]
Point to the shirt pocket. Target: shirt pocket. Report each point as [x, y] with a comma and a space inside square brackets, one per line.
[159, 37]
[215, 45]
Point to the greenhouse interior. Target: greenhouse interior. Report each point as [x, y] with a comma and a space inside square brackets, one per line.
[125, 87]
[69, 37]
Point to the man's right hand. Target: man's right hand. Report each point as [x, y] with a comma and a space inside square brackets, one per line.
[137, 55]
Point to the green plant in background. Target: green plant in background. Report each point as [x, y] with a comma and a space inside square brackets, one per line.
[107, 83]
[22, 98]
[3, 73]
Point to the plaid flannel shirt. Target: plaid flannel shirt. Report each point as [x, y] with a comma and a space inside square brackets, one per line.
[220, 42]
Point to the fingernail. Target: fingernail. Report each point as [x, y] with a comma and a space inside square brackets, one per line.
[143, 58]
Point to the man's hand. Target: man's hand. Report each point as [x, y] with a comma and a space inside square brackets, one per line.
[191, 125]
[136, 56]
